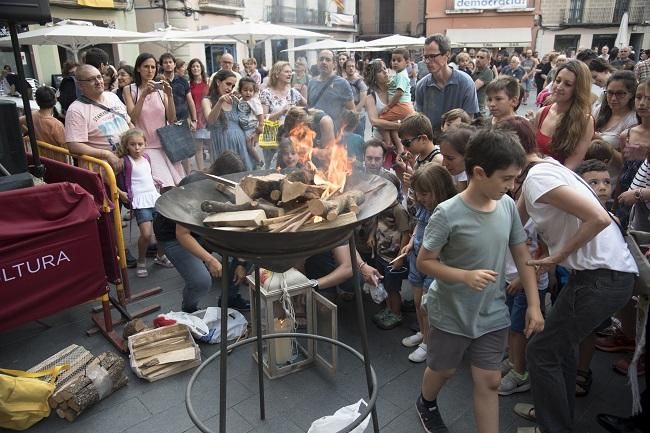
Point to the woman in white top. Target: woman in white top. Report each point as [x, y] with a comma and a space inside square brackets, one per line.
[582, 237]
[616, 113]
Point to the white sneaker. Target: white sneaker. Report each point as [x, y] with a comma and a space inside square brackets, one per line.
[419, 354]
[506, 366]
[413, 340]
[511, 384]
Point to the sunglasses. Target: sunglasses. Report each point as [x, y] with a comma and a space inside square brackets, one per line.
[407, 141]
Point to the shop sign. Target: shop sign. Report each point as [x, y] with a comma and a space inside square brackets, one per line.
[490, 4]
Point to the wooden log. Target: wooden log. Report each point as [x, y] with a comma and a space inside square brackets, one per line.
[162, 348]
[167, 357]
[298, 190]
[244, 218]
[88, 395]
[133, 327]
[330, 209]
[217, 207]
[343, 219]
[261, 186]
[67, 414]
[159, 334]
[228, 191]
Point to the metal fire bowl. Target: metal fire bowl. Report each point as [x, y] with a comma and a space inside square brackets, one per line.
[275, 251]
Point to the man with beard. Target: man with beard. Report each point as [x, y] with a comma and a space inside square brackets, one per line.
[329, 92]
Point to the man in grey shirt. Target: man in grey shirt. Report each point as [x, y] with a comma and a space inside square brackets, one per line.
[444, 88]
[482, 76]
[328, 91]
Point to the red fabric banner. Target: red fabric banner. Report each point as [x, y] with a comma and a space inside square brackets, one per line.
[50, 254]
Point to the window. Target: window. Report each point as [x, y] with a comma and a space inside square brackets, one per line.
[576, 9]
[566, 43]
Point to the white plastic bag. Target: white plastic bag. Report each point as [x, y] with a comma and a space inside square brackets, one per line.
[341, 419]
[196, 325]
[378, 293]
[211, 317]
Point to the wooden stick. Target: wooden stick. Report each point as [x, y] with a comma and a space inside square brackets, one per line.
[228, 191]
[217, 207]
[288, 223]
[401, 256]
[296, 225]
[222, 180]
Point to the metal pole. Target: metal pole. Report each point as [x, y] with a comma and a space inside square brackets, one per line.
[39, 169]
[223, 346]
[362, 326]
[258, 331]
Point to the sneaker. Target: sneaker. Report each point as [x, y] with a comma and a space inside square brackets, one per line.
[419, 354]
[379, 315]
[615, 343]
[506, 366]
[238, 303]
[163, 261]
[131, 262]
[141, 270]
[430, 418]
[413, 340]
[390, 320]
[511, 383]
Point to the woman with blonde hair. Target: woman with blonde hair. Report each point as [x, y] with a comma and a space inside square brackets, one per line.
[565, 128]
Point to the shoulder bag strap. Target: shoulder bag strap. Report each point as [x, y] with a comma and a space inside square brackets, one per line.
[327, 84]
[87, 100]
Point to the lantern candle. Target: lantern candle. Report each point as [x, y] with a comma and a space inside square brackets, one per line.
[283, 346]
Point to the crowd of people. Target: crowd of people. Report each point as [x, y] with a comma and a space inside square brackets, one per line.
[495, 211]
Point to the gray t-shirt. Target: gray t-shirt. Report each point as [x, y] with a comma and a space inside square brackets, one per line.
[470, 239]
[485, 75]
[333, 99]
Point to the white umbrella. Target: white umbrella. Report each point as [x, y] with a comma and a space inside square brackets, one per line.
[74, 35]
[623, 36]
[325, 44]
[395, 41]
[170, 38]
[252, 33]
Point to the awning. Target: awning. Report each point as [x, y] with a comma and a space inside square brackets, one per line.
[495, 38]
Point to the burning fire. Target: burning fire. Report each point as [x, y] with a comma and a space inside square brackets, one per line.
[334, 157]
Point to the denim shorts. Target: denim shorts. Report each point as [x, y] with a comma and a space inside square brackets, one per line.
[417, 278]
[517, 306]
[144, 215]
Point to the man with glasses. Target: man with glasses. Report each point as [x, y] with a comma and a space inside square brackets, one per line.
[482, 76]
[95, 121]
[329, 92]
[444, 88]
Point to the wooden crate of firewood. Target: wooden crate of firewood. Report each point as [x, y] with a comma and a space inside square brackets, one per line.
[163, 352]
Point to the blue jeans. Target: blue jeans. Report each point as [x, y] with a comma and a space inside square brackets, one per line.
[193, 271]
[588, 298]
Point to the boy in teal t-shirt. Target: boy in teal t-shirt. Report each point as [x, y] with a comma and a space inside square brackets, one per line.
[464, 249]
[399, 105]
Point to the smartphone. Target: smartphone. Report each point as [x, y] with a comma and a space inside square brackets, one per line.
[158, 85]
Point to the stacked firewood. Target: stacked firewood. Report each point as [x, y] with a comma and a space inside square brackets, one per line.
[100, 377]
[281, 203]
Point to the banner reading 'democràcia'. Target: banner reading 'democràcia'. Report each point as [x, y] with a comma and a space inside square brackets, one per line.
[490, 4]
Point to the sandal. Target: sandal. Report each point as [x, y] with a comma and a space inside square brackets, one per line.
[584, 380]
[141, 270]
[163, 261]
[528, 430]
[526, 411]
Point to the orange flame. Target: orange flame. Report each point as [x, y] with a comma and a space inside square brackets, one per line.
[334, 157]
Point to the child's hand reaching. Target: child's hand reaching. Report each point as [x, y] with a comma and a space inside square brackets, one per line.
[480, 278]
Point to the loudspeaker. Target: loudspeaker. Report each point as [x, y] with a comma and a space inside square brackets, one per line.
[12, 150]
[25, 11]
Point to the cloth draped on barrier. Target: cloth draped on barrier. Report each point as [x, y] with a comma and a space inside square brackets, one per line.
[50, 253]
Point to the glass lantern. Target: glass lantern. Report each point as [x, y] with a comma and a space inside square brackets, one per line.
[288, 307]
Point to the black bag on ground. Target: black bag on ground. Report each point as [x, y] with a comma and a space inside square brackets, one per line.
[177, 141]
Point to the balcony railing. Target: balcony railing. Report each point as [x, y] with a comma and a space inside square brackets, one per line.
[226, 3]
[611, 15]
[306, 17]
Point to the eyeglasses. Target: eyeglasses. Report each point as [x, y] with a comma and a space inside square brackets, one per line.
[95, 78]
[618, 94]
[430, 57]
[407, 141]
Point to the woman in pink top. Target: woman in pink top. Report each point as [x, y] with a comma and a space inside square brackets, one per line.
[199, 89]
[565, 128]
[151, 108]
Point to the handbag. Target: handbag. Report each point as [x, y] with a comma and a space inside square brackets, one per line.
[23, 397]
[177, 141]
[639, 217]
[635, 240]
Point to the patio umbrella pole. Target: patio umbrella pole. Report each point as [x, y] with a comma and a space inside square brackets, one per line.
[38, 169]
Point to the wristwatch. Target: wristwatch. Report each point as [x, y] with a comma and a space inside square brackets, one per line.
[314, 284]
[637, 195]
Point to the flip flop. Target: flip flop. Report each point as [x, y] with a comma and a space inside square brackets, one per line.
[526, 411]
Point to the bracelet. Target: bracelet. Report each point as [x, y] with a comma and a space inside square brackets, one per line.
[361, 265]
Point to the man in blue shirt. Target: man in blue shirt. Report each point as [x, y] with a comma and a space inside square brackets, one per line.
[444, 88]
[328, 91]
